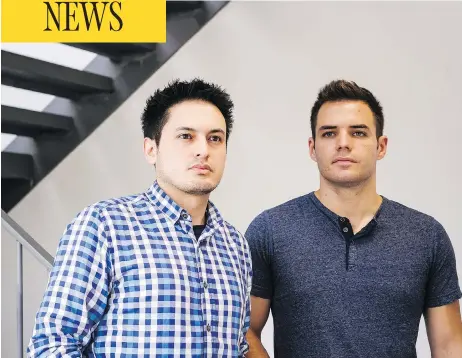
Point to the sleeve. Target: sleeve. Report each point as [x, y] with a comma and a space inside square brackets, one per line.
[243, 344]
[443, 283]
[77, 291]
[258, 236]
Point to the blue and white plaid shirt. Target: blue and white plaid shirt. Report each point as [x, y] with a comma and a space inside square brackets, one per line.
[130, 279]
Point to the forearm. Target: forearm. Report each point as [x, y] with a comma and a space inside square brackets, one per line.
[53, 346]
[256, 347]
[452, 349]
[57, 336]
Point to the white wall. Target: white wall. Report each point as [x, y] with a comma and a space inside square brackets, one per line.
[273, 57]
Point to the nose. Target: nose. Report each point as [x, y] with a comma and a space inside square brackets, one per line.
[343, 140]
[201, 148]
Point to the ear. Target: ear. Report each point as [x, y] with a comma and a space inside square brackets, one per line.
[382, 145]
[311, 145]
[150, 150]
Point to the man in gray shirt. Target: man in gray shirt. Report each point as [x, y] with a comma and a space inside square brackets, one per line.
[346, 272]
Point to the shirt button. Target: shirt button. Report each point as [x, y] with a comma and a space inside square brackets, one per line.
[342, 220]
[184, 216]
[205, 285]
[345, 229]
[209, 328]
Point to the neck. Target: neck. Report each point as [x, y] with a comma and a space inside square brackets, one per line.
[195, 205]
[358, 203]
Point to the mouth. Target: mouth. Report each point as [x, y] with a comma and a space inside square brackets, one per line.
[343, 160]
[202, 167]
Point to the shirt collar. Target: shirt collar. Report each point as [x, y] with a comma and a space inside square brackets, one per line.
[175, 212]
[335, 218]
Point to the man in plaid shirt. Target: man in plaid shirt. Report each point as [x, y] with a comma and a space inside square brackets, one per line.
[159, 274]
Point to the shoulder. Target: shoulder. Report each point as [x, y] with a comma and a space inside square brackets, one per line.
[238, 237]
[118, 205]
[113, 209]
[240, 242]
[422, 226]
[280, 213]
[407, 216]
[290, 207]
[261, 230]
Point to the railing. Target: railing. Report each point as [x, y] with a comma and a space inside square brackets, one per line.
[24, 239]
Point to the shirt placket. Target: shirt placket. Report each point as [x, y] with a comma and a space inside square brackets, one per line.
[351, 241]
[348, 235]
[202, 260]
[201, 253]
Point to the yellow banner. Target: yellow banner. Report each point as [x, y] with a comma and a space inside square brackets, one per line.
[84, 21]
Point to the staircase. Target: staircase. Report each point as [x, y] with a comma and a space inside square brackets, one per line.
[83, 99]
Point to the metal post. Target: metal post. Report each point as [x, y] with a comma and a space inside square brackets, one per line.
[20, 302]
[27, 241]
[24, 239]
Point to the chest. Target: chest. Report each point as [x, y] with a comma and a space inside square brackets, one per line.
[165, 267]
[388, 270]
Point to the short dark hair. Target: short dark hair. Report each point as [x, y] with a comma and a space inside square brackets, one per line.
[341, 90]
[155, 114]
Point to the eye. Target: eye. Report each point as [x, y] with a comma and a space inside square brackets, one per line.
[216, 138]
[360, 134]
[185, 136]
[328, 134]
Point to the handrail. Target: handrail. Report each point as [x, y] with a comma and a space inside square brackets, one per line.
[27, 241]
[24, 239]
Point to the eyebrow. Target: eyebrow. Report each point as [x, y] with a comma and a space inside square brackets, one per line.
[359, 126]
[216, 130]
[355, 126]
